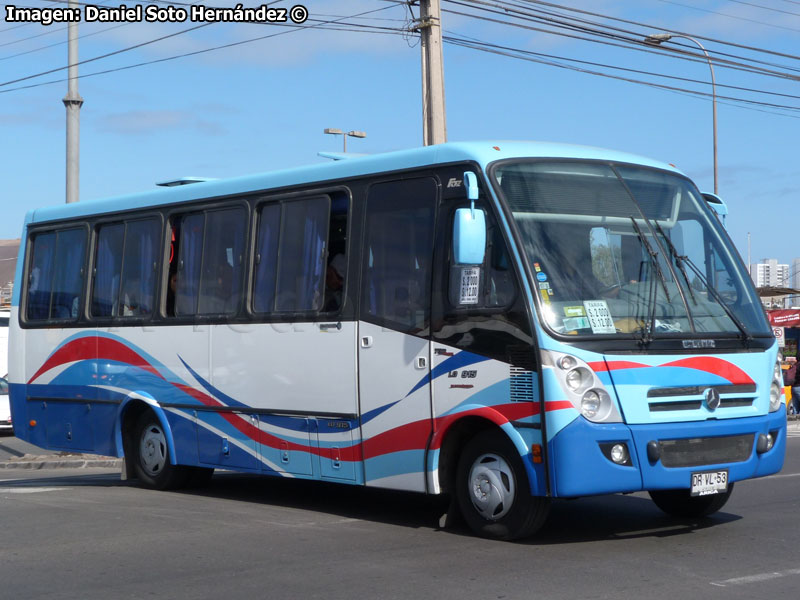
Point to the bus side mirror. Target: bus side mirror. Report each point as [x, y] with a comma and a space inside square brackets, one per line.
[469, 227]
[471, 185]
[716, 204]
[469, 236]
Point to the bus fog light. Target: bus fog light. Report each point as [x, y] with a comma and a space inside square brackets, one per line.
[619, 453]
[765, 443]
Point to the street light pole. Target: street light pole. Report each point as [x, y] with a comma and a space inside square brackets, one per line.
[73, 102]
[656, 40]
[355, 134]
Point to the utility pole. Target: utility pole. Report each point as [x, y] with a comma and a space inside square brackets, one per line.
[73, 101]
[434, 122]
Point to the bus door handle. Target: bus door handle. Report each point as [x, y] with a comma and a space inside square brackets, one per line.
[366, 341]
[422, 362]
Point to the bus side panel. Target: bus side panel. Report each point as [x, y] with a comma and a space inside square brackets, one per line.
[470, 385]
[279, 368]
[58, 390]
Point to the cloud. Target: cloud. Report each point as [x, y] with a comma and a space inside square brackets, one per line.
[281, 46]
[146, 122]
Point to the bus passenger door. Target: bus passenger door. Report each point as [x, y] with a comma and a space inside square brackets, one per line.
[393, 336]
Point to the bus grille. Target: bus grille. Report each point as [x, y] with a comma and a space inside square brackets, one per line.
[521, 385]
[675, 398]
[696, 452]
[697, 404]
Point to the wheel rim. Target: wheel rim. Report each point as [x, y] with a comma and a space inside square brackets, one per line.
[153, 450]
[491, 486]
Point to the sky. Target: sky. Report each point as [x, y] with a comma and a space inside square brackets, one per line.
[262, 105]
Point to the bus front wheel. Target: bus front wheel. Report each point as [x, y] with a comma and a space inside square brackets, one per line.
[492, 489]
[151, 460]
[679, 503]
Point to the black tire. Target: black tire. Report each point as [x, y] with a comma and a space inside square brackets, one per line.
[493, 492]
[679, 503]
[150, 456]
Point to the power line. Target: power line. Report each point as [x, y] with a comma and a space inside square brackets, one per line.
[193, 53]
[632, 41]
[80, 37]
[551, 60]
[777, 10]
[506, 7]
[534, 57]
[629, 22]
[714, 12]
[115, 52]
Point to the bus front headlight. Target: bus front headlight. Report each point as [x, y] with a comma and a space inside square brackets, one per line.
[596, 405]
[583, 388]
[776, 395]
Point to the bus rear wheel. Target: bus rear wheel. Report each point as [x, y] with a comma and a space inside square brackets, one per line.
[679, 503]
[151, 460]
[493, 492]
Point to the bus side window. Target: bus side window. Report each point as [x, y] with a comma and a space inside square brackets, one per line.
[269, 224]
[223, 262]
[301, 260]
[137, 293]
[291, 248]
[397, 259]
[190, 255]
[107, 270]
[41, 276]
[55, 280]
[210, 263]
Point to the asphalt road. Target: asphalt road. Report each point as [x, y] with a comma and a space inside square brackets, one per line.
[84, 534]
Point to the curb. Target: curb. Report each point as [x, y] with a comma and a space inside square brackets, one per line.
[70, 461]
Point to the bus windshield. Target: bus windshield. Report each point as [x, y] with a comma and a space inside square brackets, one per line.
[624, 250]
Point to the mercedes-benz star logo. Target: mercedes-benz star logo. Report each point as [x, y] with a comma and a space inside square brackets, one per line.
[712, 398]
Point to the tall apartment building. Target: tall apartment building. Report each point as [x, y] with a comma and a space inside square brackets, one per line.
[769, 273]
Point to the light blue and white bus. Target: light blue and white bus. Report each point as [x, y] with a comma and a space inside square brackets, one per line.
[503, 322]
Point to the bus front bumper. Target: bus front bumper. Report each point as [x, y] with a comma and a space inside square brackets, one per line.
[663, 456]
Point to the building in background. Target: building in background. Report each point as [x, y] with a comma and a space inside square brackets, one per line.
[770, 273]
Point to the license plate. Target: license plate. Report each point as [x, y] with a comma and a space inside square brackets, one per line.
[709, 482]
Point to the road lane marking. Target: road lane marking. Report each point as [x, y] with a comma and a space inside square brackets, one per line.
[30, 490]
[757, 578]
[778, 476]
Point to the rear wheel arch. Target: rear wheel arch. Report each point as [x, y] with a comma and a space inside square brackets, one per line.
[129, 414]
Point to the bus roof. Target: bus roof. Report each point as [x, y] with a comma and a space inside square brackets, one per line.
[481, 152]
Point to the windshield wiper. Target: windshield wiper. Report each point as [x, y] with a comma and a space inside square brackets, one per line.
[713, 291]
[647, 335]
[679, 260]
[653, 256]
